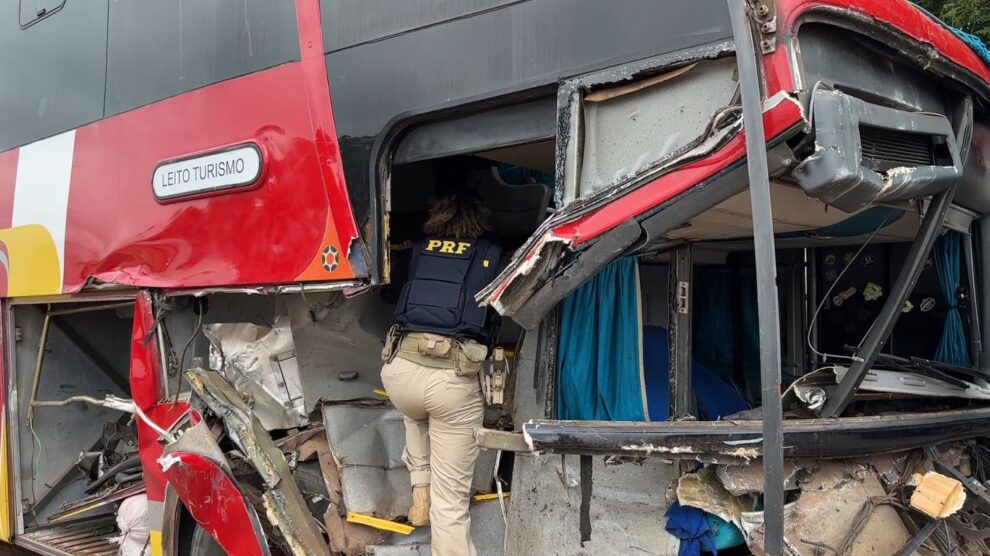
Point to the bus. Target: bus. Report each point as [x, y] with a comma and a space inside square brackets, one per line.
[744, 306]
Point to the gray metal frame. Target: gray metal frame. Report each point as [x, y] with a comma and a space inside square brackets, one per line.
[13, 419]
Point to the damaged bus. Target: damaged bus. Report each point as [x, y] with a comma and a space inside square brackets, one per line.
[743, 309]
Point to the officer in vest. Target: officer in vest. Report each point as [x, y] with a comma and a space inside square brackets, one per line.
[432, 358]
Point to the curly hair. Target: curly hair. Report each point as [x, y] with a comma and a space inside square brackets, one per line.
[460, 216]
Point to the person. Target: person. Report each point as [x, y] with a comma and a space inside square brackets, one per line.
[432, 357]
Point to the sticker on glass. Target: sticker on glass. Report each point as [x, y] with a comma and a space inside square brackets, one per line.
[842, 296]
[872, 291]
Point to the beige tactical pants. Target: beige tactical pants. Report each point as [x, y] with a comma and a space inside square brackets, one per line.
[441, 411]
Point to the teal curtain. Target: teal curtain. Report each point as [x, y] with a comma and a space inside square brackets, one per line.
[715, 325]
[952, 349]
[599, 358]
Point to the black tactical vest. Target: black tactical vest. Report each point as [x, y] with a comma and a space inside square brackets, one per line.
[444, 276]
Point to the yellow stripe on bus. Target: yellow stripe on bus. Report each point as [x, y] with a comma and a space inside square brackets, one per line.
[31, 263]
[155, 541]
[5, 529]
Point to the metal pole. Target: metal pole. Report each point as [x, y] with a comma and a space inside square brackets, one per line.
[38, 364]
[766, 281]
[975, 335]
[931, 225]
[679, 332]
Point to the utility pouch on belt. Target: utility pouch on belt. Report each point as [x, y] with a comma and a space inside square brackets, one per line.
[391, 344]
[434, 345]
[470, 358]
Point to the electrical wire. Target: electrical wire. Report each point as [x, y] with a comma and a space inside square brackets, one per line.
[35, 465]
[814, 318]
[154, 426]
[182, 360]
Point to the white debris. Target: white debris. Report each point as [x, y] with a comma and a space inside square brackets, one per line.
[132, 520]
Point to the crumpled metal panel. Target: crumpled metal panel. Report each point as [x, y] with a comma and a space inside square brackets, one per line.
[284, 504]
[367, 443]
[827, 509]
[261, 363]
[198, 471]
[633, 127]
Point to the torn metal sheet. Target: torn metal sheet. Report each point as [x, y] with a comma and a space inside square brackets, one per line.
[339, 344]
[631, 128]
[366, 444]
[215, 501]
[197, 439]
[593, 218]
[284, 504]
[261, 363]
[748, 479]
[830, 505]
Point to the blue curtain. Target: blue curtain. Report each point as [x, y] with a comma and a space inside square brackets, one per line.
[599, 355]
[716, 398]
[952, 349]
[715, 325]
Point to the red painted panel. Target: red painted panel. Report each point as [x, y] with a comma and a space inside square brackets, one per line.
[214, 500]
[314, 72]
[145, 379]
[896, 13]
[117, 232]
[8, 174]
[778, 73]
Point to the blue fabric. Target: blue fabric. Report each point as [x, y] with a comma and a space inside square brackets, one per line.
[975, 43]
[715, 325]
[716, 398]
[727, 535]
[656, 372]
[690, 525]
[952, 349]
[599, 351]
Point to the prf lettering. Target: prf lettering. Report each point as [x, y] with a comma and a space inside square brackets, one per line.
[448, 247]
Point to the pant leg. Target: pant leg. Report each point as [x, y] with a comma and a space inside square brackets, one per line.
[456, 411]
[405, 383]
[416, 454]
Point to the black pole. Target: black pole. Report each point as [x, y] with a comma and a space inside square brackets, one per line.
[920, 538]
[975, 335]
[766, 281]
[864, 358]
[679, 330]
